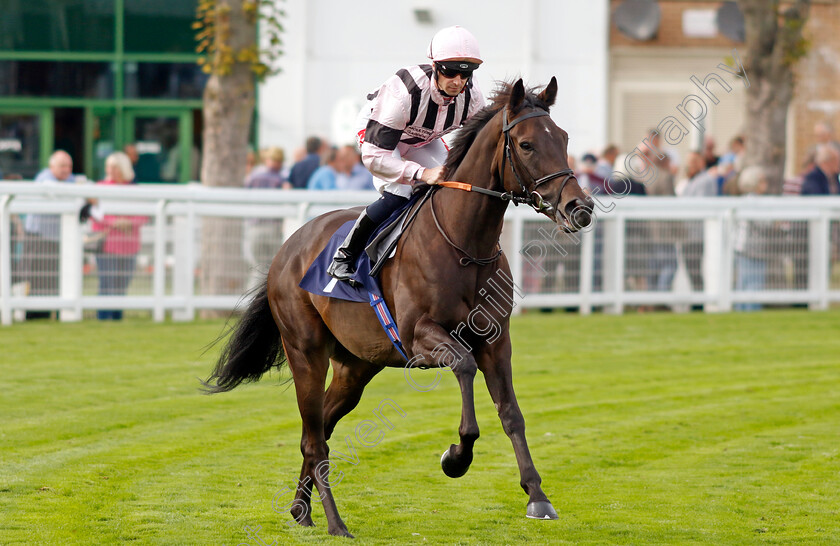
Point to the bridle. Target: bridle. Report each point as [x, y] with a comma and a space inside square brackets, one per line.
[533, 199]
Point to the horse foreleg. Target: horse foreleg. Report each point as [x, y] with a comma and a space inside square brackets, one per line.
[309, 370]
[438, 347]
[497, 374]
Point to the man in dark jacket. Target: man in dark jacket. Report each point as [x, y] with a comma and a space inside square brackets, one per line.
[303, 169]
[823, 179]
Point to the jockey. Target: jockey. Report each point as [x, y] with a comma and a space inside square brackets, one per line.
[401, 128]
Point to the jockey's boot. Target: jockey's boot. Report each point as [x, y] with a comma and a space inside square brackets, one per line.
[344, 261]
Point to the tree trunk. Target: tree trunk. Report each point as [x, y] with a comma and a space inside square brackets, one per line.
[229, 99]
[767, 109]
[774, 44]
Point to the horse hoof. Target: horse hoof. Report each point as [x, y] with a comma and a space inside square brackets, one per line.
[304, 520]
[340, 532]
[451, 466]
[540, 510]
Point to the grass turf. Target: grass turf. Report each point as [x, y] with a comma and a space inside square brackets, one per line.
[646, 429]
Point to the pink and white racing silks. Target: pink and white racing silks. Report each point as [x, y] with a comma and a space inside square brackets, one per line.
[406, 112]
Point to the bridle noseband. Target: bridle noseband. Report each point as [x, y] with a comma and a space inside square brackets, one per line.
[532, 199]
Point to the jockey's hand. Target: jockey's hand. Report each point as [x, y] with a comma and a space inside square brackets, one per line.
[432, 175]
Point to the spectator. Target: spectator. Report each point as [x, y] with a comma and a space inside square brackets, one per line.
[709, 155]
[797, 231]
[132, 153]
[146, 166]
[663, 182]
[636, 232]
[270, 173]
[297, 156]
[736, 150]
[752, 240]
[586, 173]
[117, 257]
[303, 169]
[663, 234]
[325, 178]
[824, 134]
[793, 186]
[729, 165]
[263, 236]
[42, 235]
[823, 179]
[671, 161]
[359, 177]
[604, 166]
[617, 184]
[699, 183]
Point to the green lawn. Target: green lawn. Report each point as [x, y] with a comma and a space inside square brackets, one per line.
[646, 429]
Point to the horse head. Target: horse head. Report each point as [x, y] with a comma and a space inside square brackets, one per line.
[532, 158]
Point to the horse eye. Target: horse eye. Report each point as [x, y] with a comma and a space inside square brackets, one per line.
[525, 145]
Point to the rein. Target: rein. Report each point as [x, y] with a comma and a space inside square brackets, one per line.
[466, 259]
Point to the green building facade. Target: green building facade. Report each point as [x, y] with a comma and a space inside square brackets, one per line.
[94, 76]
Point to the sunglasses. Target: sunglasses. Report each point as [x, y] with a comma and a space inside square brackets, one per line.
[456, 68]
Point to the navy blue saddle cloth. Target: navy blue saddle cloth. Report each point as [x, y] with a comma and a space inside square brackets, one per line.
[317, 281]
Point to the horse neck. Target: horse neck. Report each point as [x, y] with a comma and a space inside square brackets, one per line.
[474, 221]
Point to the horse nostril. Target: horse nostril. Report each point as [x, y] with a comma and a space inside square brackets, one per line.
[581, 219]
[579, 213]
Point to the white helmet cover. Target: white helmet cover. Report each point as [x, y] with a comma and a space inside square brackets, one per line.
[454, 43]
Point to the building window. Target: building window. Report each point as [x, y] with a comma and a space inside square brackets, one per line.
[56, 79]
[57, 25]
[159, 26]
[164, 81]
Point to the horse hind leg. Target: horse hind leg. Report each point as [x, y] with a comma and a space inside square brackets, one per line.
[309, 369]
[350, 377]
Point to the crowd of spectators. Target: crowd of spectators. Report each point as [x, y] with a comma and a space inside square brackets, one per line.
[114, 241]
[316, 166]
[655, 170]
[656, 248]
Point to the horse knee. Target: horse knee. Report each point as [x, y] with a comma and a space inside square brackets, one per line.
[314, 450]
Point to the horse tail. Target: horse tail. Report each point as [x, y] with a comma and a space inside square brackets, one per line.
[253, 348]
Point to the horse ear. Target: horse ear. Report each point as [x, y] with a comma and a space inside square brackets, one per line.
[548, 94]
[517, 94]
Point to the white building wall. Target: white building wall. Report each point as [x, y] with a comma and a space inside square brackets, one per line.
[337, 51]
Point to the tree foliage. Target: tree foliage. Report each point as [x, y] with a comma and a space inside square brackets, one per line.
[217, 47]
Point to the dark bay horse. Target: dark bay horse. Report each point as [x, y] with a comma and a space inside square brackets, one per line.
[511, 150]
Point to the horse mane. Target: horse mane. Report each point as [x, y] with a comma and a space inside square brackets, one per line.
[468, 133]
